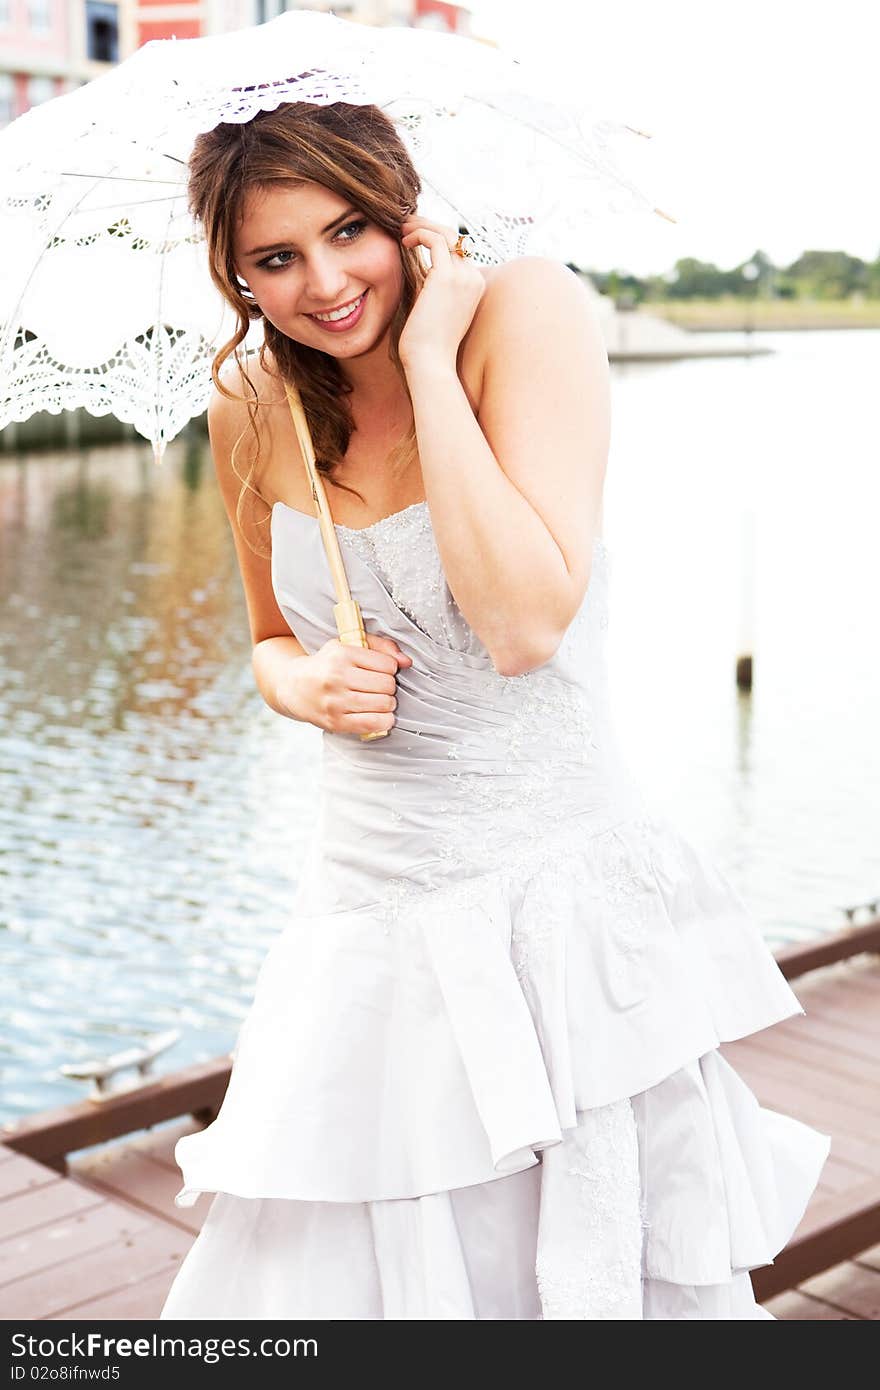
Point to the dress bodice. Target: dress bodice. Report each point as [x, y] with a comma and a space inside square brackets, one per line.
[478, 765]
[402, 551]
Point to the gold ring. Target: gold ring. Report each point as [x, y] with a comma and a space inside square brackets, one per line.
[459, 250]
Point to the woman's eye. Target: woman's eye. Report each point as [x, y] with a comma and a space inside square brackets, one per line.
[353, 228]
[267, 264]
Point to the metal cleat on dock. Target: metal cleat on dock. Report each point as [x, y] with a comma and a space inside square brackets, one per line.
[871, 906]
[101, 1072]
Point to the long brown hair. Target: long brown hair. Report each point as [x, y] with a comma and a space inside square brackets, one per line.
[356, 152]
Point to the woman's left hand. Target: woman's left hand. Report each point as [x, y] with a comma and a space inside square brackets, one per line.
[447, 302]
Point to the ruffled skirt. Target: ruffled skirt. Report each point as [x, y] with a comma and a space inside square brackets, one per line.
[504, 1100]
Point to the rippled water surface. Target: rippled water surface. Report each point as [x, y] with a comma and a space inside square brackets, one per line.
[154, 811]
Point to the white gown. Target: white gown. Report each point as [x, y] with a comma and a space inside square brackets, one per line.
[480, 1076]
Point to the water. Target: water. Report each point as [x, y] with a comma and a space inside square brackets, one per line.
[771, 468]
[154, 808]
[155, 811]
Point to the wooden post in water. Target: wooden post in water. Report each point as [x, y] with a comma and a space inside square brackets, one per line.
[746, 642]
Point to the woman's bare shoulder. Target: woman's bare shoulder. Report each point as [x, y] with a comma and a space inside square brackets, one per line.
[230, 414]
[537, 285]
[263, 438]
[252, 381]
[533, 297]
[531, 276]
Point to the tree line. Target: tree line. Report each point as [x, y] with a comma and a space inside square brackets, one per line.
[829, 275]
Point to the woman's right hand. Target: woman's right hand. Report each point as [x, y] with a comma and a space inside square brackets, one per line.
[346, 689]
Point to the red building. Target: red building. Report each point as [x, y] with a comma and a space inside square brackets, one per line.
[34, 46]
[157, 19]
[186, 19]
[437, 14]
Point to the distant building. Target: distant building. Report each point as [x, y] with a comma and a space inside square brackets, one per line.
[51, 46]
[159, 19]
[429, 13]
[34, 42]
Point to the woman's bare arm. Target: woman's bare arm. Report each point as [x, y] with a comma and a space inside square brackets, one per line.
[274, 646]
[516, 493]
[341, 689]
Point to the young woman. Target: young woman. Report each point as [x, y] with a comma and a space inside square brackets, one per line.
[480, 1077]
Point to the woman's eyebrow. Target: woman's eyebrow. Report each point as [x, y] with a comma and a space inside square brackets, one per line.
[278, 245]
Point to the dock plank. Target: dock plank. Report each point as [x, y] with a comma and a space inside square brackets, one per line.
[124, 1172]
[845, 1038]
[795, 1091]
[59, 1242]
[824, 1060]
[794, 1306]
[159, 1143]
[157, 1249]
[54, 1201]
[139, 1302]
[829, 1116]
[824, 1068]
[20, 1174]
[811, 1081]
[839, 1176]
[852, 1287]
[840, 1293]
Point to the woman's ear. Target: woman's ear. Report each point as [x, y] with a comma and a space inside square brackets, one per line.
[244, 289]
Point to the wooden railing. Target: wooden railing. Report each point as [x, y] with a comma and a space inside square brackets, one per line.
[49, 1136]
[852, 941]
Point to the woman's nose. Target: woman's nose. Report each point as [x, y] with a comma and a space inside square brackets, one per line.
[325, 280]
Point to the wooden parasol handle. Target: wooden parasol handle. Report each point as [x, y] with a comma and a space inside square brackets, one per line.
[346, 610]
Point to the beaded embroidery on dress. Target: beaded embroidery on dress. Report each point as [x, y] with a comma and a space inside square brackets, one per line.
[481, 1077]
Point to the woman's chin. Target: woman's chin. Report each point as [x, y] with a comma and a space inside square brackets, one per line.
[358, 345]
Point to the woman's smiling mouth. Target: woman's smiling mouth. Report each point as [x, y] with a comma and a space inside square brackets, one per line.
[345, 316]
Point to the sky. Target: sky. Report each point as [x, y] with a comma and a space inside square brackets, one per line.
[764, 115]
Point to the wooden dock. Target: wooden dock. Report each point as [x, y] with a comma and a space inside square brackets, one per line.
[96, 1234]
